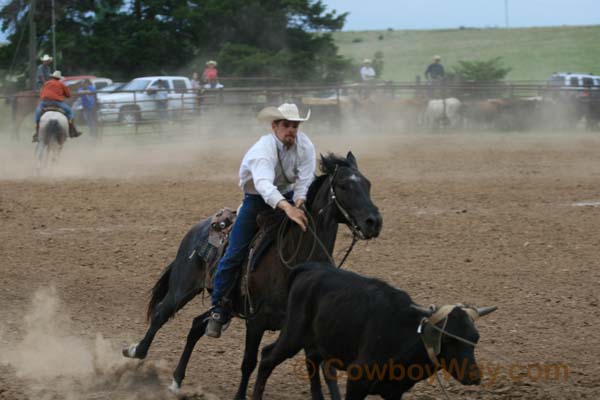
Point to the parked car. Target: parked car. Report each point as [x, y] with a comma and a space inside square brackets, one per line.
[574, 80]
[99, 83]
[113, 87]
[572, 86]
[137, 100]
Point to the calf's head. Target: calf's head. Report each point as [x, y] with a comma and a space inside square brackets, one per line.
[450, 336]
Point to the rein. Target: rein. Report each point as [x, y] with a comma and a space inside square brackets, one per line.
[311, 227]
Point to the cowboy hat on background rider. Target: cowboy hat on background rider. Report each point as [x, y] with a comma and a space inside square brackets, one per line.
[43, 71]
[275, 173]
[53, 94]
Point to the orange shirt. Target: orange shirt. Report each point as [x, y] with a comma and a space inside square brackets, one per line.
[210, 74]
[54, 90]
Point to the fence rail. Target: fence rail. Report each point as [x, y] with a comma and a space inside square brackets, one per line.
[142, 108]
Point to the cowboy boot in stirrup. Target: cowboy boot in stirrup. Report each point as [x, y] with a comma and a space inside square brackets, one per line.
[217, 322]
[36, 135]
[73, 132]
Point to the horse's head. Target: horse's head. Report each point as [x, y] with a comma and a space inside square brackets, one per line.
[349, 193]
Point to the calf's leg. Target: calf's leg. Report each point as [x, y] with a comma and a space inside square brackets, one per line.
[272, 356]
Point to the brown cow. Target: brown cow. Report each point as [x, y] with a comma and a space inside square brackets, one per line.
[484, 114]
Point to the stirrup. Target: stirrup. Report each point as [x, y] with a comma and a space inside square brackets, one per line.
[73, 132]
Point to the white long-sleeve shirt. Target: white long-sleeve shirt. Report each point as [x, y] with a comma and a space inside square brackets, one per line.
[367, 73]
[260, 172]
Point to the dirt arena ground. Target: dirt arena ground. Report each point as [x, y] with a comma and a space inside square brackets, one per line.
[494, 219]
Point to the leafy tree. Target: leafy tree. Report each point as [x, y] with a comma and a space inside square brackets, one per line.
[286, 39]
[480, 71]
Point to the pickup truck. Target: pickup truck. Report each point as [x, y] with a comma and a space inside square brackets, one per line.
[139, 99]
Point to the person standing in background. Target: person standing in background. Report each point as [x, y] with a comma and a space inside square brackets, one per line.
[367, 73]
[88, 104]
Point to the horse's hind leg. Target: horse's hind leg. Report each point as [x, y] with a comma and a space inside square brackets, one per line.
[164, 311]
[182, 284]
[196, 332]
[254, 334]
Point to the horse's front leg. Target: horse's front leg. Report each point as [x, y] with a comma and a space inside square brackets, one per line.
[254, 334]
[196, 332]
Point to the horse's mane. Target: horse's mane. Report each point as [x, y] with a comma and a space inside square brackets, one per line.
[328, 166]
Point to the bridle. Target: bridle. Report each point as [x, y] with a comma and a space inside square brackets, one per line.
[354, 228]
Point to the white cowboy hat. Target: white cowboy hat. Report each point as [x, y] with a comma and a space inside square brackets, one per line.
[437, 58]
[213, 62]
[287, 111]
[367, 61]
[56, 75]
[46, 57]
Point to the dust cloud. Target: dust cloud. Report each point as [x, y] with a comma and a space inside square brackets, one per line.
[210, 148]
[56, 363]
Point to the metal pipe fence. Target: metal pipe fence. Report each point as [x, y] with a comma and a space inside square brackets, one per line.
[138, 108]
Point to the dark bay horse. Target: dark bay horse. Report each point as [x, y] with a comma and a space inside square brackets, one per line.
[341, 195]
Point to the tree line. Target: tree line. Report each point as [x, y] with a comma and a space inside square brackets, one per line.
[283, 39]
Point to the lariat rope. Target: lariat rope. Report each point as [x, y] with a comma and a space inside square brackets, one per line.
[311, 227]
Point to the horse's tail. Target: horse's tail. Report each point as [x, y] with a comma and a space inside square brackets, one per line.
[53, 130]
[159, 291]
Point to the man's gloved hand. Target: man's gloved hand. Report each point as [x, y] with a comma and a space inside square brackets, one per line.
[293, 213]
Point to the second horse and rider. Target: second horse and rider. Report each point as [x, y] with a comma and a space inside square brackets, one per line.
[53, 93]
[253, 277]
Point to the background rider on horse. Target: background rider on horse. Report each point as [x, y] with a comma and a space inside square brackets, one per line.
[53, 94]
[43, 72]
[275, 173]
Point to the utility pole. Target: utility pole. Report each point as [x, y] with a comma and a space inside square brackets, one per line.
[506, 12]
[32, 45]
[53, 38]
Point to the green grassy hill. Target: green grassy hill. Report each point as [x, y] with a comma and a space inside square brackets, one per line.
[532, 53]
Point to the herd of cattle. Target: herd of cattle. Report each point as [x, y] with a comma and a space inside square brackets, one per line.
[497, 114]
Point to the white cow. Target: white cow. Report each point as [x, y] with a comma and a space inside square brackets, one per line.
[443, 113]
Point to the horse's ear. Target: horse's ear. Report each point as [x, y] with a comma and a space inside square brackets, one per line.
[325, 164]
[352, 160]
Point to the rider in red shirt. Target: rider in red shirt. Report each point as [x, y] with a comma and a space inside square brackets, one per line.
[53, 94]
[210, 75]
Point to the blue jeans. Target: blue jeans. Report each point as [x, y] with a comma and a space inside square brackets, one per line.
[89, 115]
[243, 231]
[161, 107]
[44, 103]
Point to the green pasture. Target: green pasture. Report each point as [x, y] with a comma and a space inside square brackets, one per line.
[532, 53]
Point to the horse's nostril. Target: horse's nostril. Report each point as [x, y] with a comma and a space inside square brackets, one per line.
[370, 222]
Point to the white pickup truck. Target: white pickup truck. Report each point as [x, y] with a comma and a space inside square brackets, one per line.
[139, 99]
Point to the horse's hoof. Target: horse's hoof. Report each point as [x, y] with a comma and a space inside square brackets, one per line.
[174, 387]
[129, 351]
